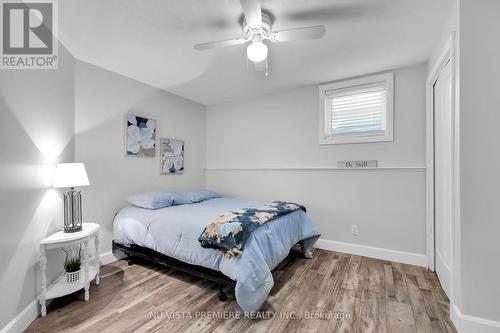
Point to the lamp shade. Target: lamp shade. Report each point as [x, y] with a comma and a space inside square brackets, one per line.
[70, 175]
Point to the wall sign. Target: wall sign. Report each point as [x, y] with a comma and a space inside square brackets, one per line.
[356, 164]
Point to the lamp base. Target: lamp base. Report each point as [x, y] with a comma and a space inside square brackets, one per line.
[73, 230]
[72, 210]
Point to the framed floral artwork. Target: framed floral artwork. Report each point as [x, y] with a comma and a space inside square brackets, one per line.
[141, 136]
[172, 156]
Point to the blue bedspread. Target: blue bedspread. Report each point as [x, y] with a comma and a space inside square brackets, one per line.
[174, 232]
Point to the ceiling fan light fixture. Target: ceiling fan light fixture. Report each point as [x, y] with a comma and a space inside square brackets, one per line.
[257, 51]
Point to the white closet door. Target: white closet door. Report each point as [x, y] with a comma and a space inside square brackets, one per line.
[443, 176]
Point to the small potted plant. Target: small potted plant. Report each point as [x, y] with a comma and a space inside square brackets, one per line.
[72, 266]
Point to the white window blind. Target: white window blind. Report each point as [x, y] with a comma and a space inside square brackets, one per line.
[359, 110]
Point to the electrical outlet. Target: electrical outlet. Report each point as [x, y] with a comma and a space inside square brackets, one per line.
[354, 230]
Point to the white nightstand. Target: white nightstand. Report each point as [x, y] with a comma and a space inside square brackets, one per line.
[59, 240]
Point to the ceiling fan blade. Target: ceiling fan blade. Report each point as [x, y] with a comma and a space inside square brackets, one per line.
[220, 43]
[252, 12]
[315, 32]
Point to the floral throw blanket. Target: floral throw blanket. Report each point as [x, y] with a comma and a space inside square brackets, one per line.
[229, 232]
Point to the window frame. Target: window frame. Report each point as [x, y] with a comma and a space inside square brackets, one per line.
[325, 138]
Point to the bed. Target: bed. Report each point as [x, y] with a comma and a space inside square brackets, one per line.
[170, 236]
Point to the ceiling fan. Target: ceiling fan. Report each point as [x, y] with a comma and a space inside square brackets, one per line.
[257, 28]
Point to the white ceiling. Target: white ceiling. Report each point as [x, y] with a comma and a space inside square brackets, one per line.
[152, 42]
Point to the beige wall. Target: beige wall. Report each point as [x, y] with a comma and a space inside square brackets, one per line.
[101, 101]
[281, 130]
[477, 30]
[36, 112]
[480, 157]
[77, 113]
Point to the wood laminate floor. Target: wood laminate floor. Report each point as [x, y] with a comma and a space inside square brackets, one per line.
[334, 292]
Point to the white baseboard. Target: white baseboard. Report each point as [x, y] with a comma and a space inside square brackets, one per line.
[470, 324]
[31, 312]
[23, 319]
[109, 257]
[416, 259]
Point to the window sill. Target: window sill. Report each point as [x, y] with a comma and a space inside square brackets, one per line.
[330, 140]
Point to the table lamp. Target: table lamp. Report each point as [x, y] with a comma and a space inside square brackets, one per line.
[71, 175]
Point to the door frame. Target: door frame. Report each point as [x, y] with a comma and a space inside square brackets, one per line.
[447, 54]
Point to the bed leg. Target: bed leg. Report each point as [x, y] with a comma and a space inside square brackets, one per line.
[305, 253]
[222, 294]
[130, 260]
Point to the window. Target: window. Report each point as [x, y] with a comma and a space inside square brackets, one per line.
[357, 110]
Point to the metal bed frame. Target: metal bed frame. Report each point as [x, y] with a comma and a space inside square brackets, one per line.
[138, 252]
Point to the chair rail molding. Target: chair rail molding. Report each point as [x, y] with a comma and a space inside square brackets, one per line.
[314, 168]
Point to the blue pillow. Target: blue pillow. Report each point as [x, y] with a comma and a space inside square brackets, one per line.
[198, 196]
[179, 198]
[156, 200]
[151, 200]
